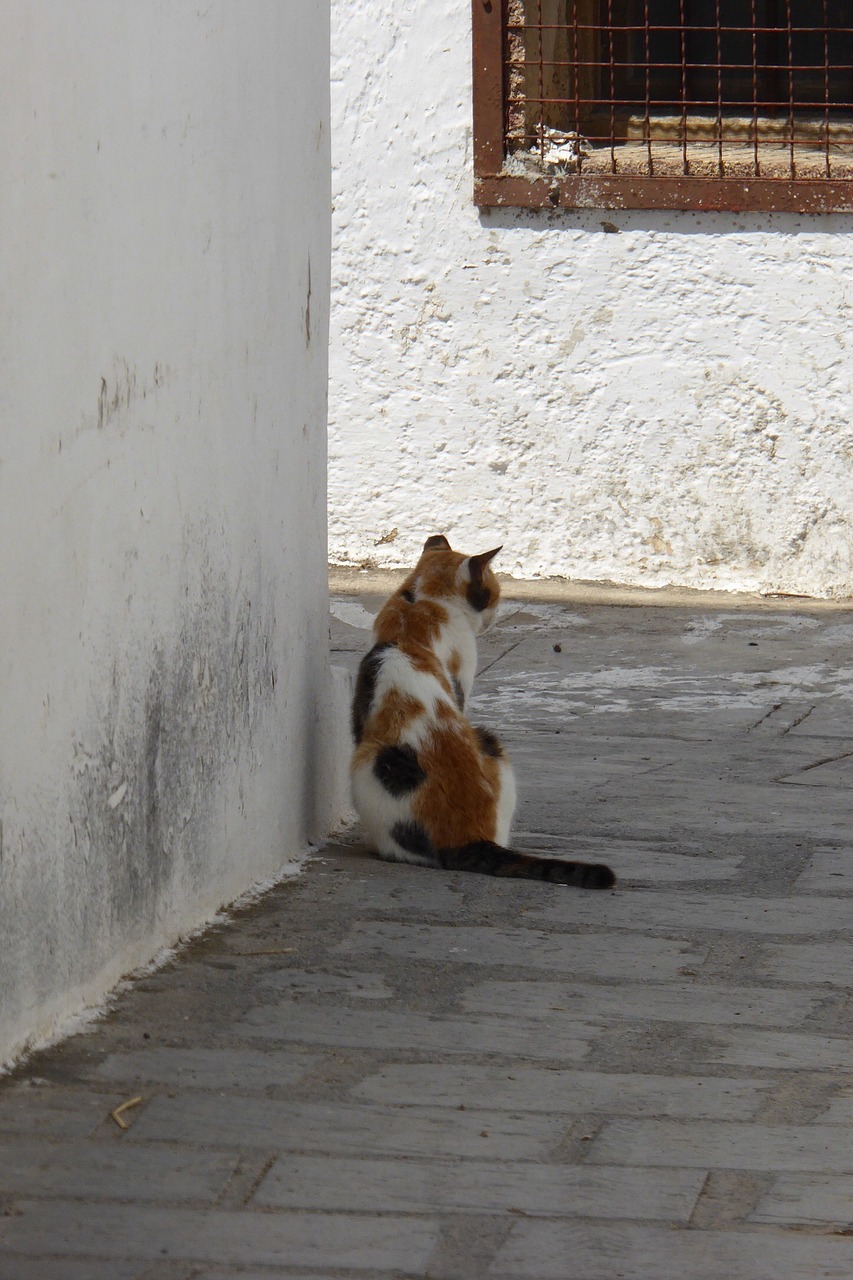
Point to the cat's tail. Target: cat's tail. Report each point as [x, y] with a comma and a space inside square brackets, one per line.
[494, 860]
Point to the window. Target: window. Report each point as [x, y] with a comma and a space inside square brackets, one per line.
[680, 104]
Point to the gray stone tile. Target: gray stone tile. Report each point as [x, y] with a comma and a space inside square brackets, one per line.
[289, 1020]
[836, 774]
[111, 1170]
[519, 1087]
[530, 690]
[357, 887]
[54, 1110]
[277, 1239]
[604, 955]
[709, 1144]
[691, 910]
[554, 1251]
[816, 962]
[209, 1068]
[796, 1198]
[829, 871]
[719, 813]
[830, 719]
[840, 1110]
[348, 1129]
[781, 1050]
[472, 1186]
[718, 808]
[682, 1001]
[642, 861]
[356, 985]
[221, 1273]
[67, 1268]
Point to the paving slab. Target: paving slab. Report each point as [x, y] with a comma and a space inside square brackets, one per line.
[81, 1229]
[806, 915]
[840, 1110]
[816, 1201]
[608, 955]
[688, 1001]
[40, 1268]
[349, 1128]
[828, 871]
[110, 1171]
[589, 1092]
[709, 1144]
[208, 1068]
[378, 1071]
[477, 1186]
[783, 1050]
[450, 1033]
[554, 1251]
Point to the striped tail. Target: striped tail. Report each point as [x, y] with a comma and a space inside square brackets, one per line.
[493, 860]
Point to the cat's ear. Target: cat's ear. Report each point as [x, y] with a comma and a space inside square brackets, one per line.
[437, 542]
[477, 564]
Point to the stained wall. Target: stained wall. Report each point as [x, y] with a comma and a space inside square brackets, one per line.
[169, 731]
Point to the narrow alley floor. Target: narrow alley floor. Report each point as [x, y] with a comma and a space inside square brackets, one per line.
[381, 1071]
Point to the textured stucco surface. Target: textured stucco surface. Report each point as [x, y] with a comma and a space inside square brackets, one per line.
[168, 733]
[652, 398]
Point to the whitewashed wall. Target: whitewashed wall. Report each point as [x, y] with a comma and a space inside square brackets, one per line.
[666, 404]
[167, 734]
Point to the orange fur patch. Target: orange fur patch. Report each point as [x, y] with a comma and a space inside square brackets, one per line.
[385, 726]
[404, 624]
[436, 573]
[458, 801]
[363, 754]
[394, 714]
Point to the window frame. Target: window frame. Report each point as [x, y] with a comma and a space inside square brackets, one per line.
[495, 189]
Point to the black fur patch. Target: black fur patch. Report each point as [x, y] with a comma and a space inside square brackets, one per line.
[412, 837]
[437, 542]
[490, 744]
[478, 596]
[365, 687]
[408, 595]
[398, 770]
[458, 693]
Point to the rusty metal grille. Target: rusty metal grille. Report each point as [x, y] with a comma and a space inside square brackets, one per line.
[680, 103]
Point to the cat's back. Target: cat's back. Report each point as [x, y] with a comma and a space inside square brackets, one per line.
[417, 677]
[401, 680]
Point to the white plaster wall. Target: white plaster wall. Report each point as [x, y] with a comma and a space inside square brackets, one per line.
[167, 714]
[667, 404]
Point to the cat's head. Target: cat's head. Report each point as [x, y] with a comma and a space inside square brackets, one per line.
[467, 580]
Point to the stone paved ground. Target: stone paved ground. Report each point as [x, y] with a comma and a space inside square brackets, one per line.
[382, 1071]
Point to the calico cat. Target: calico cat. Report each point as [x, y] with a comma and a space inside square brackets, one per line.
[430, 787]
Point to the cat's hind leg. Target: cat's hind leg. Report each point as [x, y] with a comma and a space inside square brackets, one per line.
[491, 745]
[383, 782]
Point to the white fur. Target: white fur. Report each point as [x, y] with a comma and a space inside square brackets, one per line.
[459, 633]
[379, 811]
[397, 672]
[506, 802]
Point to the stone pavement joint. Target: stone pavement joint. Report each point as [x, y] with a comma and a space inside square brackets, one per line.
[380, 1072]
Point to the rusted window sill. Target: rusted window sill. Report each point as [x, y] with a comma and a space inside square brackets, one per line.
[617, 192]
